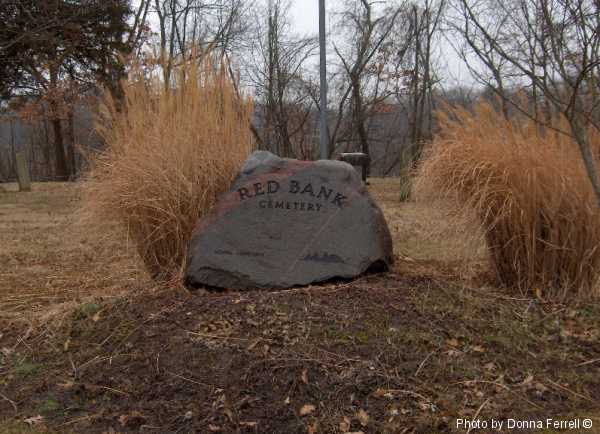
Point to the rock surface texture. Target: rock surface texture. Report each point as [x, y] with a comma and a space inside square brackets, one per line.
[287, 222]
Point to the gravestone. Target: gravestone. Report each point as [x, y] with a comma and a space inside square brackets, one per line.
[23, 172]
[358, 159]
[287, 222]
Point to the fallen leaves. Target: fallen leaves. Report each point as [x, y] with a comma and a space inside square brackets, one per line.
[305, 376]
[383, 393]
[249, 424]
[529, 383]
[489, 366]
[362, 417]
[453, 342]
[307, 409]
[540, 388]
[528, 380]
[345, 425]
[132, 420]
[35, 420]
[67, 384]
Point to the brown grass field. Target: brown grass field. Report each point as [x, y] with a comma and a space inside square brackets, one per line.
[88, 344]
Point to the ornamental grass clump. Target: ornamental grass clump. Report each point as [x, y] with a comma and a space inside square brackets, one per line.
[170, 152]
[529, 190]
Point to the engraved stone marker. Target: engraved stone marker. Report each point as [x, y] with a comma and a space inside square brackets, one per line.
[287, 222]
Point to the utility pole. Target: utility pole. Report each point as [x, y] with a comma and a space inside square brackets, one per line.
[324, 137]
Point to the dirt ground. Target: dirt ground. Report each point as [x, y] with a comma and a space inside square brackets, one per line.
[89, 345]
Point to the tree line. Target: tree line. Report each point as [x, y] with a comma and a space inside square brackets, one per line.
[386, 73]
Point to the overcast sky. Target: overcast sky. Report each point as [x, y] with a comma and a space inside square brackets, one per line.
[304, 18]
[305, 14]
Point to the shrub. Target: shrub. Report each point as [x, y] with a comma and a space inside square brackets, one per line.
[169, 154]
[530, 192]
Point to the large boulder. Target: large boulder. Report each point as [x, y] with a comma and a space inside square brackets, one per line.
[287, 222]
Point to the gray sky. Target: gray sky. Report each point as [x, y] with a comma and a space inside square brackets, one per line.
[304, 20]
[304, 16]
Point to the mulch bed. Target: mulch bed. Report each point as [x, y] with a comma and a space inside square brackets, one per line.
[389, 353]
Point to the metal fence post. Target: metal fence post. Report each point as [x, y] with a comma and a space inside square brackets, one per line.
[324, 136]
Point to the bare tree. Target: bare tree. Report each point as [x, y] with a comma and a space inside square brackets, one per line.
[424, 22]
[369, 31]
[386, 78]
[211, 25]
[491, 70]
[277, 72]
[552, 46]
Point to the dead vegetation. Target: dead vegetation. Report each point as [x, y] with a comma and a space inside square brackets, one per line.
[170, 153]
[49, 263]
[529, 190]
[409, 351]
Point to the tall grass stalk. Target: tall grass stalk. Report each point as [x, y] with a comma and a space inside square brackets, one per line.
[170, 152]
[529, 190]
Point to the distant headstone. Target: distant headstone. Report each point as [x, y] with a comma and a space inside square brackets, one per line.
[23, 172]
[357, 159]
[287, 222]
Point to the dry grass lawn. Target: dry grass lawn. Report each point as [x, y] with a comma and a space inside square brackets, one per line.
[49, 262]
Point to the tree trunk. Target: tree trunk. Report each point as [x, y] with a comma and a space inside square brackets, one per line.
[360, 119]
[415, 127]
[71, 144]
[586, 154]
[13, 153]
[358, 113]
[45, 145]
[61, 170]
